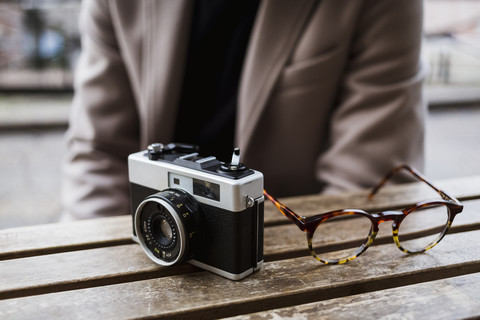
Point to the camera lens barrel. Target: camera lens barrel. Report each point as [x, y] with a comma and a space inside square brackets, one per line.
[166, 226]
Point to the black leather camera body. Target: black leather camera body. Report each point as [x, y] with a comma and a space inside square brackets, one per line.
[186, 207]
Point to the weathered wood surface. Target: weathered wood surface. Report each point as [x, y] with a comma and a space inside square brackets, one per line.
[80, 269]
[92, 269]
[53, 238]
[112, 264]
[61, 237]
[451, 298]
[282, 283]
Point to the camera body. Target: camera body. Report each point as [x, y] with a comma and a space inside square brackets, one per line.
[197, 209]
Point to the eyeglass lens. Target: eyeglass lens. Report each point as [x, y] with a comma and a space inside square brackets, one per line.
[423, 227]
[341, 237]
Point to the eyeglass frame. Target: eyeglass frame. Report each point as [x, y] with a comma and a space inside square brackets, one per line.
[310, 224]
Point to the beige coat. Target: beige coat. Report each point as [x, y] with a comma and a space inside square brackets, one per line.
[330, 94]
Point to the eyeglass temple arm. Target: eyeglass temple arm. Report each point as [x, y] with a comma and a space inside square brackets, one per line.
[287, 212]
[417, 175]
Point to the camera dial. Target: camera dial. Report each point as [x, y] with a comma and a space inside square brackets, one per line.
[166, 226]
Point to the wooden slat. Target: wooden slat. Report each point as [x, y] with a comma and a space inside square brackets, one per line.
[109, 265]
[80, 269]
[282, 283]
[62, 237]
[450, 298]
[389, 197]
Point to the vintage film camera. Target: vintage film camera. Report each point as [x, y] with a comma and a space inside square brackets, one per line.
[197, 209]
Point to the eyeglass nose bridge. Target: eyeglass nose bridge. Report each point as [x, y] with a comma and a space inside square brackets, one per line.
[395, 216]
[383, 216]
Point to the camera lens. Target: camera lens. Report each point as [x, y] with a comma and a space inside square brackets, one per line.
[162, 230]
[166, 224]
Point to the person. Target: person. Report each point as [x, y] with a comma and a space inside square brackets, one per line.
[320, 96]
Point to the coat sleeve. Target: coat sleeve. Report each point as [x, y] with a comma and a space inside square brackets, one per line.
[379, 120]
[103, 126]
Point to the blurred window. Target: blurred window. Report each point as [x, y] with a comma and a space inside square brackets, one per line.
[40, 43]
[452, 42]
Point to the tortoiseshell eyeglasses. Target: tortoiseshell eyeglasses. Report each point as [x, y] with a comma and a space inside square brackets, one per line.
[416, 229]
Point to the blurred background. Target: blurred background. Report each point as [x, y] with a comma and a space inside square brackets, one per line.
[40, 44]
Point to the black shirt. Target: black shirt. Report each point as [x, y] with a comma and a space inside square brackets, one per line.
[219, 37]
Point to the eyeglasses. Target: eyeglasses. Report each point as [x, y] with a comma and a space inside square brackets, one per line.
[415, 229]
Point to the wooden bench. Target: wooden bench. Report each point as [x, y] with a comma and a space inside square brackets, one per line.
[92, 269]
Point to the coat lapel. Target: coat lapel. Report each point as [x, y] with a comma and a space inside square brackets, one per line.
[277, 28]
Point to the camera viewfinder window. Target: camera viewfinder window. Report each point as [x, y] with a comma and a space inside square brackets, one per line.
[206, 189]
